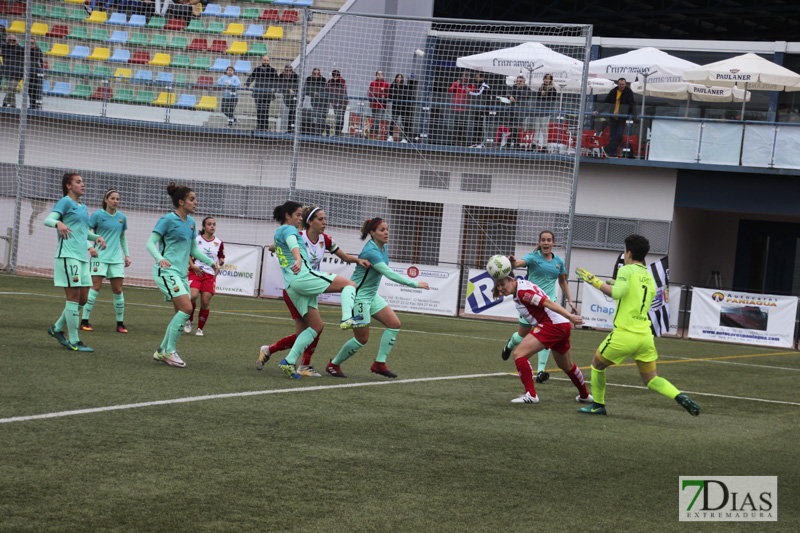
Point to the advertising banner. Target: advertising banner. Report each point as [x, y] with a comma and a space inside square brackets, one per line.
[479, 301]
[598, 310]
[239, 274]
[743, 318]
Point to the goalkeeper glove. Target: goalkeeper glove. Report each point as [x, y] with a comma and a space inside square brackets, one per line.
[588, 277]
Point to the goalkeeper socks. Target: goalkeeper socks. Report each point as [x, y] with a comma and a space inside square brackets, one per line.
[347, 351]
[300, 344]
[283, 344]
[174, 331]
[119, 306]
[544, 355]
[387, 343]
[525, 371]
[599, 385]
[514, 341]
[348, 301]
[73, 320]
[576, 376]
[310, 351]
[87, 308]
[662, 386]
[201, 320]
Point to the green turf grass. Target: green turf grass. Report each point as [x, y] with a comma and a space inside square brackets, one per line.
[449, 455]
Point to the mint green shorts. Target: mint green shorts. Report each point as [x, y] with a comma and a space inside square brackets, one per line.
[303, 291]
[367, 308]
[172, 283]
[107, 270]
[69, 272]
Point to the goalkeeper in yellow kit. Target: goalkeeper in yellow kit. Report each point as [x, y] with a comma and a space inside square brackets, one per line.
[634, 290]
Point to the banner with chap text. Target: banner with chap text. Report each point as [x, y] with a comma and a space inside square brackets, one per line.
[239, 274]
[597, 309]
[743, 318]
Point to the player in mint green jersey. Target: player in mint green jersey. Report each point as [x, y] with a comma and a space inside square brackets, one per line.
[632, 337]
[544, 268]
[71, 266]
[111, 224]
[171, 244]
[368, 301]
[303, 284]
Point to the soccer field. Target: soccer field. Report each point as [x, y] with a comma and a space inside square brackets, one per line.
[130, 444]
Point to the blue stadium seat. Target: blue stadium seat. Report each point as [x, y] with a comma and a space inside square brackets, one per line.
[221, 65]
[186, 100]
[242, 66]
[231, 11]
[4, 23]
[46, 87]
[79, 52]
[61, 88]
[143, 76]
[212, 10]
[120, 56]
[254, 30]
[120, 37]
[164, 77]
[137, 21]
[117, 19]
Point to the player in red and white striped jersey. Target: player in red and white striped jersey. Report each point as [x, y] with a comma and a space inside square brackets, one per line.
[552, 325]
[202, 280]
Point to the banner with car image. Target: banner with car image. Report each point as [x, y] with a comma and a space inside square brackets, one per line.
[743, 318]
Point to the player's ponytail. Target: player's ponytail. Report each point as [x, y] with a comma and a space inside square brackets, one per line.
[177, 193]
[369, 226]
[286, 208]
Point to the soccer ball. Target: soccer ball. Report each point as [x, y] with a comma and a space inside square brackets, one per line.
[499, 267]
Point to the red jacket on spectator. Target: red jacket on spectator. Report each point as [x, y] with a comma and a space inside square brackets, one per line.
[378, 94]
[460, 94]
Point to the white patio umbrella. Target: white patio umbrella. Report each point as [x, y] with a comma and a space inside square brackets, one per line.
[748, 71]
[532, 60]
[691, 92]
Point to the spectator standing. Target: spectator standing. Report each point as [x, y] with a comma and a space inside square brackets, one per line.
[460, 90]
[378, 95]
[316, 87]
[401, 94]
[546, 99]
[35, 77]
[481, 100]
[621, 99]
[288, 84]
[337, 92]
[13, 68]
[266, 80]
[522, 99]
[230, 84]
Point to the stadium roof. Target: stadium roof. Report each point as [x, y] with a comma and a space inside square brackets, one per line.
[742, 20]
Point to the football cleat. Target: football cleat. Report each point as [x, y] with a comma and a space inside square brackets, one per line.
[382, 369]
[85, 326]
[263, 357]
[289, 370]
[506, 353]
[187, 326]
[58, 335]
[594, 409]
[159, 355]
[526, 398]
[334, 370]
[588, 399]
[307, 371]
[688, 404]
[199, 332]
[542, 376]
[355, 322]
[121, 328]
[173, 359]
[79, 347]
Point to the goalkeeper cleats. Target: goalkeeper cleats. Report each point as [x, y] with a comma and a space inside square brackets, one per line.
[289, 370]
[58, 335]
[382, 369]
[526, 398]
[688, 404]
[542, 376]
[594, 409]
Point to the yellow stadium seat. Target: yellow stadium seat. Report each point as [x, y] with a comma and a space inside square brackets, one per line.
[39, 28]
[123, 74]
[100, 54]
[237, 47]
[234, 29]
[208, 103]
[274, 32]
[18, 26]
[98, 17]
[165, 99]
[59, 49]
[160, 60]
[75, 2]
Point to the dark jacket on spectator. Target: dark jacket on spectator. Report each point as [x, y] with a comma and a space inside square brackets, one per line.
[401, 95]
[337, 92]
[626, 103]
[266, 81]
[316, 89]
[13, 60]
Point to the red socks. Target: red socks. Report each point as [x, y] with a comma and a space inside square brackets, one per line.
[526, 374]
[283, 344]
[577, 379]
[201, 320]
[310, 351]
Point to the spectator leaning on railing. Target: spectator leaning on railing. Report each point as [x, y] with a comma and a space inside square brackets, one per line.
[621, 98]
[315, 88]
[521, 98]
[481, 101]
[288, 85]
[402, 94]
[266, 80]
[337, 92]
